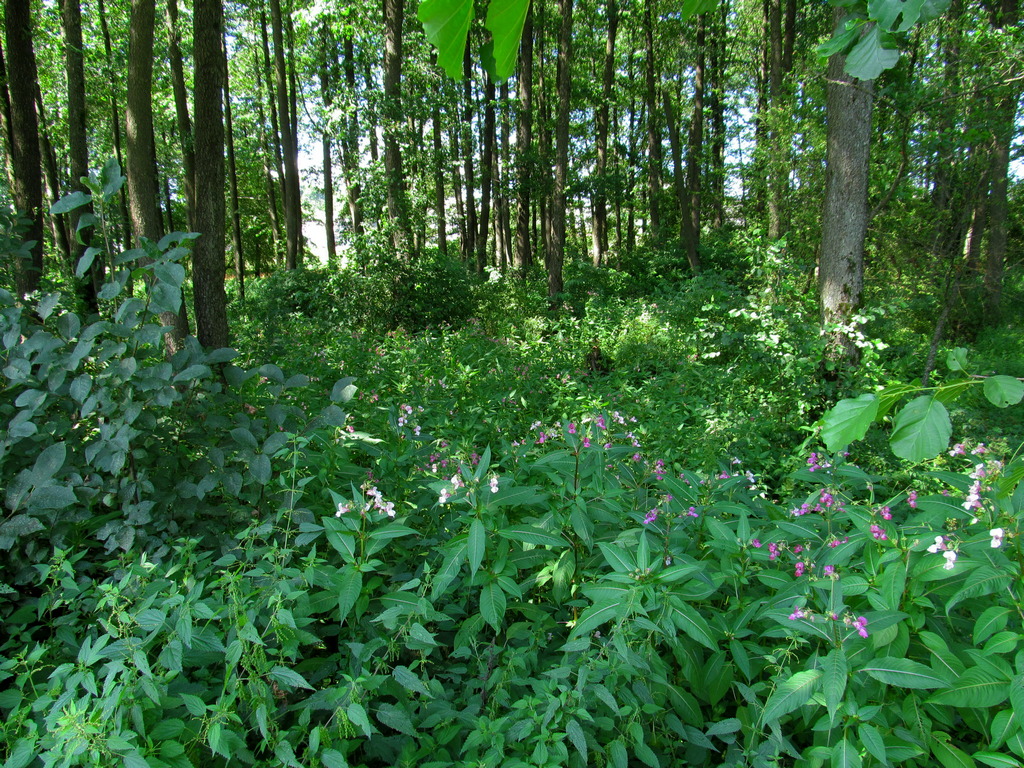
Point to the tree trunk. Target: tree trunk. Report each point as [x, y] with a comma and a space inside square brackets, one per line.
[716, 108]
[208, 267]
[558, 198]
[236, 218]
[439, 212]
[58, 224]
[78, 149]
[351, 154]
[289, 145]
[184, 122]
[115, 124]
[469, 173]
[524, 148]
[687, 237]
[695, 151]
[325, 141]
[845, 217]
[654, 151]
[398, 210]
[600, 218]
[24, 138]
[486, 173]
[266, 153]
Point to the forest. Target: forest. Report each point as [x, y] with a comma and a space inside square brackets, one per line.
[519, 383]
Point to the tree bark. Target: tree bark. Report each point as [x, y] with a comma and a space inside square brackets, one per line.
[58, 224]
[695, 151]
[398, 210]
[439, 197]
[268, 155]
[486, 173]
[236, 218]
[654, 149]
[184, 121]
[845, 217]
[351, 146]
[469, 172]
[325, 140]
[115, 124]
[24, 138]
[600, 217]
[208, 269]
[687, 237]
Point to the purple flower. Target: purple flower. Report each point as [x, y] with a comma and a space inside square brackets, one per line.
[861, 625]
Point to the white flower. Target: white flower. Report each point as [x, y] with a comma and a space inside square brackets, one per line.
[938, 546]
[443, 498]
[950, 556]
[494, 485]
[997, 537]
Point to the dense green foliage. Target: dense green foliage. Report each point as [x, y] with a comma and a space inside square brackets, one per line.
[602, 534]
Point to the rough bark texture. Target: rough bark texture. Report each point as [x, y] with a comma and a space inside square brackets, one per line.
[289, 144]
[208, 253]
[486, 173]
[845, 217]
[687, 236]
[115, 121]
[236, 218]
[24, 137]
[181, 114]
[654, 151]
[351, 154]
[398, 212]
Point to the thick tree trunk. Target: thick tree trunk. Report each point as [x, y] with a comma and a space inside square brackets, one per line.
[845, 217]
[600, 218]
[24, 137]
[687, 236]
[115, 123]
[398, 209]
[524, 149]
[208, 252]
[558, 197]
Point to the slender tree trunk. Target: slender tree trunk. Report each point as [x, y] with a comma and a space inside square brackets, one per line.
[845, 218]
[275, 131]
[325, 140]
[716, 108]
[486, 173]
[58, 224]
[558, 198]
[600, 240]
[184, 121]
[695, 152]
[654, 150]
[78, 149]
[208, 267]
[115, 123]
[524, 148]
[24, 138]
[289, 145]
[351, 154]
[398, 209]
[267, 155]
[469, 173]
[687, 237]
[502, 180]
[236, 217]
[439, 212]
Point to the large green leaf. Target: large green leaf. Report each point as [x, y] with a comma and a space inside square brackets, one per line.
[833, 683]
[977, 688]
[596, 615]
[446, 24]
[848, 421]
[492, 604]
[790, 695]
[903, 673]
[845, 755]
[692, 623]
[505, 20]
[532, 535]
[921, 429]
[1003, 391]
[874, 53]
[349, 583]
[477, 543]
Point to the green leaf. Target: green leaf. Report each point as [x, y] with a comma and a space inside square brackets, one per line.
[349, 583]
[874, 53]
[956, 359]
[357, 716]
[343, 390]
[617, 755]
[532, 535]
[49, 463]
[492, 604]
[620, 560]
[692, 623]
[396, 718]
[1003, 391]
[517, 496]
[70, 202]
[410, 681]
[903, 673]
[577, 737]
[24, 752]
[977, 688]
[192, 372]
[948, 755]
[596, 615]
[848, 421]
[505, 20]
[835, 670]
[289, 677]
[790, 695]
[872, 741]
[921, 429]
[845, 755]
[997, 760]
[477, 544]
[692, 8]
[446, 24]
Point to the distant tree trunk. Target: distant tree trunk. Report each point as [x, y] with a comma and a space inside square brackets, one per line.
[78, 149]
[687, 237]
[654, 151]
[469, 173]
[558, 198]
[486, 173]
[141, 168]
[501, 181]
[184, 122]
[58, 224]
[289, 145]
[24, 137]
[716, 108]
[1004, 17]
[115, 122]
[845, 217]
[325, 140]
[600, 218]
[275, 134]
[439, 197]
[695, 151]
[236, 218]
[398, 210]
[351, 145]
[267, 156]
[208, 267]
[524, 148]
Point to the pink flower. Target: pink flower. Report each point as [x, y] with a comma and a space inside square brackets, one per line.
[799, 571]
[861, 625]
[878, 533]
[997, 537]
[886, 513]
[797, 613]
[756, 543]
[912, 499]
[651, 516]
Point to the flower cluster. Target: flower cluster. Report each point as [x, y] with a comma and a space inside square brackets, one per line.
[948, 551]
[826, 503]
[858, 623]
[816, 461]
[374, 501]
